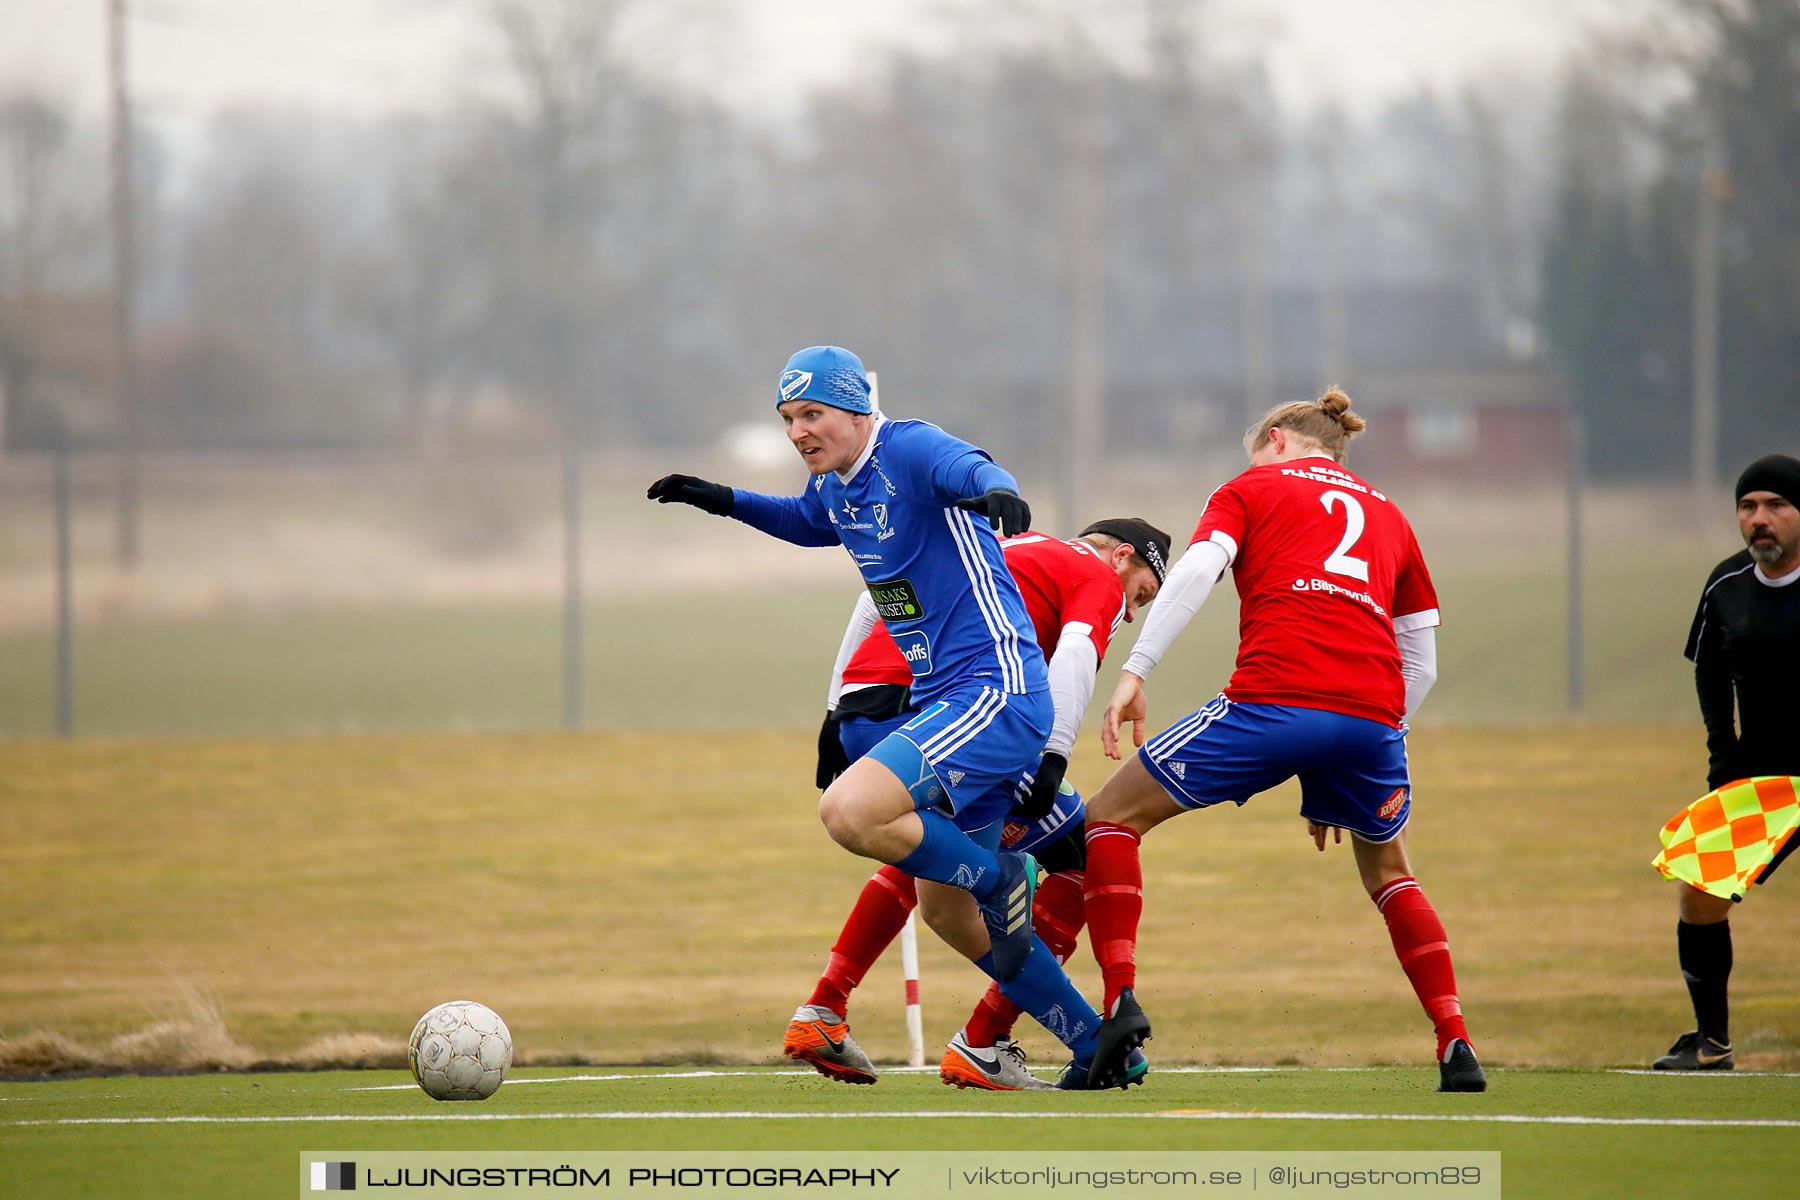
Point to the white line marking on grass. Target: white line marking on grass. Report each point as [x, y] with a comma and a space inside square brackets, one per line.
[1697, 1074]
[407, 1087]
[707, 1074]
[1172, 1115]
[777, 1072]
[1257, 1071]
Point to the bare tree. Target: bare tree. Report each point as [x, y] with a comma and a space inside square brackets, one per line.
[567, 64]
[47, 228]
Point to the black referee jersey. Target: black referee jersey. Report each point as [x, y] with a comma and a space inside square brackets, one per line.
[1746, 641]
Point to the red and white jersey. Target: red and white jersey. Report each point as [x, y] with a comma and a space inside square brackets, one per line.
[1066, 585]
[1327, 571]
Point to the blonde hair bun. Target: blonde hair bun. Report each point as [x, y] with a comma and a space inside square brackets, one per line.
[1336, 405]
[1327, 422]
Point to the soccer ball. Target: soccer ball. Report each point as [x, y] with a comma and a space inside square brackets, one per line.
[460, 1050]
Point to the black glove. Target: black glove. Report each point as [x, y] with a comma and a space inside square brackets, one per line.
[1044, 788]
[832, 759]
[1004, 509]
[714, 498]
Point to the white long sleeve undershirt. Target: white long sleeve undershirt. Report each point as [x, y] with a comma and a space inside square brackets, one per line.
[862, 623]
[1190, 581]
[1418, 664]
[1072, 668]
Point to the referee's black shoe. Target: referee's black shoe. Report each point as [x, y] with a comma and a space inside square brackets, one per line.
[1124, 1030]
[1696, 1051]
[1459, 1072]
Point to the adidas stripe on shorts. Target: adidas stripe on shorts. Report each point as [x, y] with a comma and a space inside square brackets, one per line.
[860, 735]
[963, 754]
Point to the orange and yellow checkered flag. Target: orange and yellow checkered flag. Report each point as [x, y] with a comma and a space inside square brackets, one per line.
[1721, 842]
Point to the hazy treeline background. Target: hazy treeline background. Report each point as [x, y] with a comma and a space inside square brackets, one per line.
[1094, 239]
[583, 247]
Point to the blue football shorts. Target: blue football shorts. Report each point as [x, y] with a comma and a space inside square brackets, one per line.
[963, 754]
[1352, 770]
[1028, 837]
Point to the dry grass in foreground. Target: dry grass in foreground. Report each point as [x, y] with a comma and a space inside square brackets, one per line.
[669, 897]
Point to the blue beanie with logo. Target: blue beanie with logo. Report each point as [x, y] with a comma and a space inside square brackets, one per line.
[829, 374]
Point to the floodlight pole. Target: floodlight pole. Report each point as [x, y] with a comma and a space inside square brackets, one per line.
[1084, 251]
[1256, 317]
[1331, 304]
[124, 291]
[572, 597]
[1574, 482]
[1715, 188]
[65, 589]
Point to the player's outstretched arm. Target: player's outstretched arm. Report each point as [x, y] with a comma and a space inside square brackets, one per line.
[714, 498]
[1128, 704]
[793, 519]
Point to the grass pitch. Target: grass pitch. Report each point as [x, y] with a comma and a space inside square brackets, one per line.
[1561, 1134]
[669, 896]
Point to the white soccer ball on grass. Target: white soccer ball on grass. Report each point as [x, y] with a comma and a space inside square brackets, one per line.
[460, 1050]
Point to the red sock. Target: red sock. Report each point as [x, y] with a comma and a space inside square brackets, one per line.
[1056, 916]
[881, 910]
[1060, 912]
[1424, 953]
[1115, 901]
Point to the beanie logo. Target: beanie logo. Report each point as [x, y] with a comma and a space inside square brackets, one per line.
[1153, 555]
[794, 382]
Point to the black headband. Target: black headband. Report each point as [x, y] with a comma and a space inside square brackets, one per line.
[1151, 543]
[1772, 473]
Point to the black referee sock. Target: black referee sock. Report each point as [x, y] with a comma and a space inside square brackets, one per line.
[1706, 965]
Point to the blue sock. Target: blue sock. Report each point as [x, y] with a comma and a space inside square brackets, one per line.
[1043, 990]
[948, 855]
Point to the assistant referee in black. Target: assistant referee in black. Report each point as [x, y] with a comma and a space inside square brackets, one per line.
[1745, 645]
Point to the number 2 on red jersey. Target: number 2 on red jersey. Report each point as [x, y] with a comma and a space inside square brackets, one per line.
[1341, 561]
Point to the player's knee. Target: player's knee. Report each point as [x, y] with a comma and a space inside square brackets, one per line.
[834, 816]
[1702, 908]
[1103, 806]
[1131, 798]
[1380, 863]
[842, 817]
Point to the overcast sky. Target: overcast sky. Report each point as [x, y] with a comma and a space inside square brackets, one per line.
[189, 58]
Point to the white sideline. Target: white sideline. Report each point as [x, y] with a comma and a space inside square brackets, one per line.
[1175, 1115]
[407, 1087]
[705, 1074]
[1700, 1074]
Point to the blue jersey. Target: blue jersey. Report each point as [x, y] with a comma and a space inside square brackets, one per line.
[934, 570]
